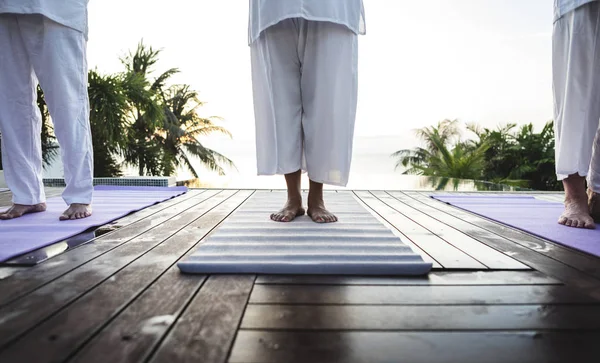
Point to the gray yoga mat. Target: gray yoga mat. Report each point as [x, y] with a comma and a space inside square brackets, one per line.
[249, 242]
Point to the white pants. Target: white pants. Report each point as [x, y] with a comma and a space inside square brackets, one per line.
[305, 80]
[576, 77]
[34, 48]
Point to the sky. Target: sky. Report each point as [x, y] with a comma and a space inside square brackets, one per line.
[484, 61]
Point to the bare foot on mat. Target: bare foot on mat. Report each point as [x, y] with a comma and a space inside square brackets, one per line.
[76, 211]
[19, 210]
[577, 210]
[290, 211]
[316, 206]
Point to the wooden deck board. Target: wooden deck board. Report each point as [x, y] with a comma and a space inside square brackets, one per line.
[487, 256]
[206, 330]
[42, 303]
[421, 317]
[28, 280]
[381, 215]
[445, 254]
[79, 320]
[584, 262]
[459, 278]
[121, 297]
[539, 259]
[416, 295]
[415, 347]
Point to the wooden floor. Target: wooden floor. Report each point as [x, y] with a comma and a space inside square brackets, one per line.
[496, 295]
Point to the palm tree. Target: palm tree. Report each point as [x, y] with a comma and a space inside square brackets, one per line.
[166, 126]
[182, 126]
[145, 110]
[535, 157]
[435, 138]
[108, 120]
[443, 155]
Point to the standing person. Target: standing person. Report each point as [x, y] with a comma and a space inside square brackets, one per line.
[304, 57]
[45, 41]
[576, 79]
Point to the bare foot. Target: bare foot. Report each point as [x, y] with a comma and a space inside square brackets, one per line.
[18, 210]
[321, 215]
[76, 211]
[316, 206]
[293, 208]
[577, 214]
[577, 211]
[594, 205]
[290, 211]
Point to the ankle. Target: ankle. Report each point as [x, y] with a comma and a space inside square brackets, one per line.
[294, 198]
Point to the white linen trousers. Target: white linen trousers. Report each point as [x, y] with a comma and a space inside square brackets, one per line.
[305, 83]
[576, 80]
[34, 48]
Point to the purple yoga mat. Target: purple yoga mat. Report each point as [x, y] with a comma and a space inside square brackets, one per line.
[33, 231]
[527, 213]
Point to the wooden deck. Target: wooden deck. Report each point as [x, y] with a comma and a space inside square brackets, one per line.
[496, 295]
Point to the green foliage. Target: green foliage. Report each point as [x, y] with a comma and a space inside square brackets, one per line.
[141, 122]
[517, 157]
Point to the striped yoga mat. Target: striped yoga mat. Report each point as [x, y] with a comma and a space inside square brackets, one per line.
[249, 242]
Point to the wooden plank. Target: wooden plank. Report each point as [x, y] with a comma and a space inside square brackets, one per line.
[6, 271]
[206, 330]
[479, 251]
[135, 332]
[433, 278]
[78, 322]
[440, 251]
[480, 229]
[469, 221]
[386, 317]
[416, 295]
[415, 347]
[20, 284]
[27, 312]
[435, 264]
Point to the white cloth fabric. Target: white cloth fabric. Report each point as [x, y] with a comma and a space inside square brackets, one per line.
[576, 78]
[304, 76]
[36, 48]
[562, 7]
[71, 13]
[266, 13]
